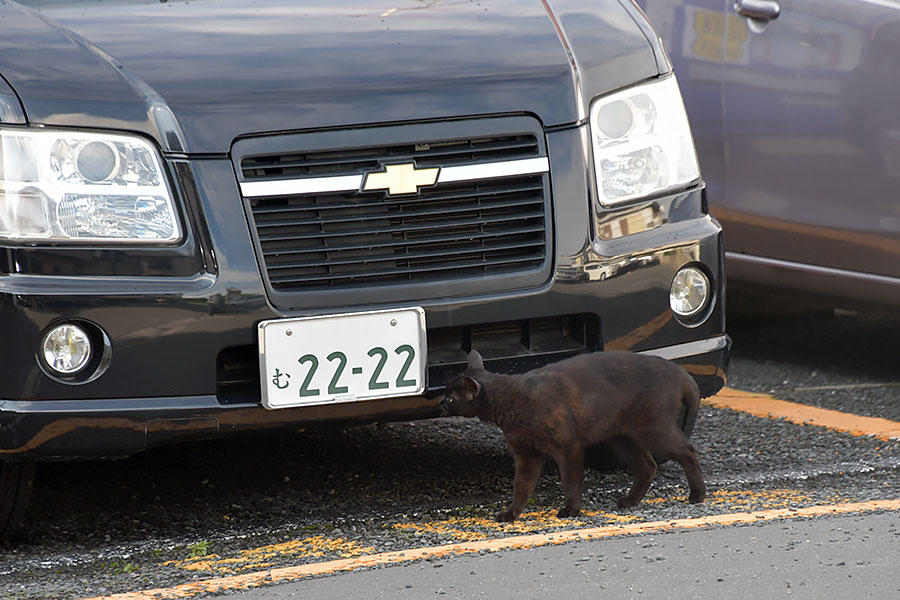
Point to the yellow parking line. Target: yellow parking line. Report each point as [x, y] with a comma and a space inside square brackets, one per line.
[471, 528]
[767, 406]
[286, 574]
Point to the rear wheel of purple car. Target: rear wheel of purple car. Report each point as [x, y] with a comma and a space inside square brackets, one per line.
[16, 483]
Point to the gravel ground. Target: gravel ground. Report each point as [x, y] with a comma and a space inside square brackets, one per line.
[192, 511]
[841, 361]
[111, 527]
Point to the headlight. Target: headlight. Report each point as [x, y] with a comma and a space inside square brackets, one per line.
[70, 186]
[642, 142]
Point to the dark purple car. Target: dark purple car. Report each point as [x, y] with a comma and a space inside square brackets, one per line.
[795, 113]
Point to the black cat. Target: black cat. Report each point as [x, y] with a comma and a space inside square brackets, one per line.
[629, 403]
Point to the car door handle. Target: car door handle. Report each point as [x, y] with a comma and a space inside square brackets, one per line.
[765, 10]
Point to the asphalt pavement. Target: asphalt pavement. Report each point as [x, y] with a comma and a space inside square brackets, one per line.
[834, 557]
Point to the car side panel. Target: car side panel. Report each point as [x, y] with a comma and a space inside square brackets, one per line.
[813, 136]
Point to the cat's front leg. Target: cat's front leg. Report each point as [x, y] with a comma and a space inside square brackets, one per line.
[528, 469]
[571, 469]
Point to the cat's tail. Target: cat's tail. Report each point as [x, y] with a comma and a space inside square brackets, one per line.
[690, 400]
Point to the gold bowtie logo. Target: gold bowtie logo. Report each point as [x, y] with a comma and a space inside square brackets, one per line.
[400, 179]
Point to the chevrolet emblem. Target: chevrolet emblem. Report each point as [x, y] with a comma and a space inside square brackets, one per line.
[400, 179]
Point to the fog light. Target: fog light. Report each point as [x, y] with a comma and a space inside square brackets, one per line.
[690, 292]
[66, 349]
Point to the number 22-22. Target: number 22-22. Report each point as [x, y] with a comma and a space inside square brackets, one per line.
[341, 359]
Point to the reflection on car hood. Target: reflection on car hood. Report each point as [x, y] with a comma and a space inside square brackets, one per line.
[196, 75]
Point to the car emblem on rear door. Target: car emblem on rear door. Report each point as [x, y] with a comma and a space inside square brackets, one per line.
[400, 179]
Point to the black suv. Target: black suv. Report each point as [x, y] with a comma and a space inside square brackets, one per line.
[219, 216]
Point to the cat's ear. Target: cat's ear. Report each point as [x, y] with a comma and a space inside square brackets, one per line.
[473, 388]
[475, 361]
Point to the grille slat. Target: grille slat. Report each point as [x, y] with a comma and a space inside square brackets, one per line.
[407, 270]
[447, 232]
[259, 168]
[409, 214]
[403, 228]
[407, 242]
[366, 202]
[369, 259]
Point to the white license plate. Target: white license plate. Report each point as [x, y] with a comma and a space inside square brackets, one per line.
[342, 358]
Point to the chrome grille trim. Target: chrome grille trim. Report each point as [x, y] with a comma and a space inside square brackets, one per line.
[349, 183]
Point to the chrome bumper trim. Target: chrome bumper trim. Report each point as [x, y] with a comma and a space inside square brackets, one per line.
[690, 348]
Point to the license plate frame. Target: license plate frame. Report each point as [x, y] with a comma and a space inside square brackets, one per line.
[337, 358]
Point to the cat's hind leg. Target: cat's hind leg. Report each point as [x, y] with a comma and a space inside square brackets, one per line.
[686, 455]
[641, 464]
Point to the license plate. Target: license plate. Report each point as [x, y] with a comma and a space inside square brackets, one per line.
[342, 358]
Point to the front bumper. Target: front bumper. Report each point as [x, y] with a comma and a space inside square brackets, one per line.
[87, 429]
[182, 321]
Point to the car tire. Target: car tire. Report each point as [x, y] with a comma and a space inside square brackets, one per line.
[16, 484]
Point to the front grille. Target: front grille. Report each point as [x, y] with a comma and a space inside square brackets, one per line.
[349, 240]
[459, 230]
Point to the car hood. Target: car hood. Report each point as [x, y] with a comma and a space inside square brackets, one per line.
[197, 75]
